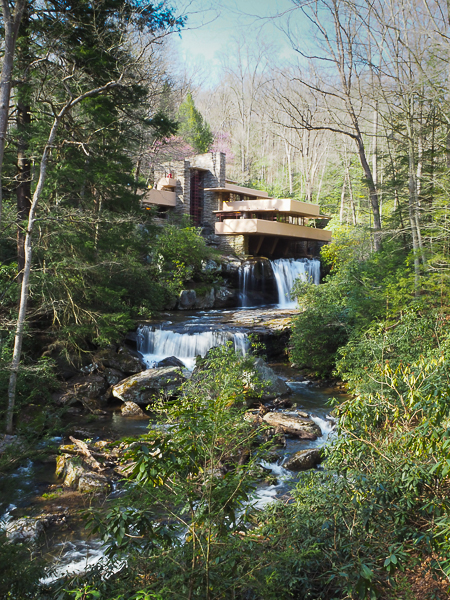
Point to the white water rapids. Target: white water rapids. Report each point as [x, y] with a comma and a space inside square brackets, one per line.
[157, 344]
[287, 271]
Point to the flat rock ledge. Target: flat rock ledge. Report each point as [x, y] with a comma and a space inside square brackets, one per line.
[147, 386]
[295, 425]
[285, 424]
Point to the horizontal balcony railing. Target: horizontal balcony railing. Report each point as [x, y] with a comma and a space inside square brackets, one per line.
[262, 227]
[282, 205]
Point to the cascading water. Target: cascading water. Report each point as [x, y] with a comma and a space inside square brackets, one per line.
[245, 280]
[157, 344]
[287, 270]
[257, 285]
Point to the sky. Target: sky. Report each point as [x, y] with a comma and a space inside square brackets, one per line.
[212, 25]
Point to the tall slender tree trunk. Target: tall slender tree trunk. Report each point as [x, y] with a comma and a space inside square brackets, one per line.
[23, 304]
[289, 166]
[23, 119]
[412, 189]
[375, 146]
[341, 212]
[350, 191]
[373, 194]
[23, 190]
[11, 22]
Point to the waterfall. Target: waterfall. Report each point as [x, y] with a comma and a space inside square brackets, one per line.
[157, 344]
[287, 270]
[245, 281]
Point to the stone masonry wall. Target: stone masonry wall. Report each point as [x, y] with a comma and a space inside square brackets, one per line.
[234, 243]
[213, 177]
[181, 173]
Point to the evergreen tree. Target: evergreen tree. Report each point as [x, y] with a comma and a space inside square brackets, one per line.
[193, 128]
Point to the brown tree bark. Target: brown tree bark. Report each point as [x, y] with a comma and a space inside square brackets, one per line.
[11, 22]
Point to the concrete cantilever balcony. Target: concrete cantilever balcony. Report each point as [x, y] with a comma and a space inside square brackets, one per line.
[263, 227]
[166, 182]
[284, 205]
[158, 198]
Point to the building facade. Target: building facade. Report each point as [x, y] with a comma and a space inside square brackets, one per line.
[236, 218]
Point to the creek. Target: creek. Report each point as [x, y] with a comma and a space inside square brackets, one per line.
[34, 489]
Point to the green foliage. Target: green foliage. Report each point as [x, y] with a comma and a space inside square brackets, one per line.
[192, 128]
[397, 341]
[178, 253]
[320, 328]
[190, 484]
[20, 572]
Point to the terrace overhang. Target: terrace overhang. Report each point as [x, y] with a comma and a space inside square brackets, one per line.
[283, 205]
[231, 188]
[158, 198]
[271, 228]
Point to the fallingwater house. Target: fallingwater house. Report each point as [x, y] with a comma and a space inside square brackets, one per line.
[238, 219]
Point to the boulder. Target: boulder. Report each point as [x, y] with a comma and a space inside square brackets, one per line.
[206, 300]
[304, 460]
[131, 409]
[145, 387]
[225, 298]
[26, 529]
[210, 266]
[77, 474]
[187, 300]
[121, 359]
[113, 376]
[93, 483]
[71, 468]
[171, 361]
[230, 268]
[84, 389]
[272, 386]
[293, 425]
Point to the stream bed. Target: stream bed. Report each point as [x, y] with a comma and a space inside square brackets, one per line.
[33, 488]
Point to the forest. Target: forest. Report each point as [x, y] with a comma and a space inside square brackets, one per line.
[94, 97]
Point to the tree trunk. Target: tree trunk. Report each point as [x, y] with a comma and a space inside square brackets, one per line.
[341, 212]
[289, 166]
[373, 194]
[23, 119]
[350, 191]
[23, 190]
[11, 24]
[412, 207]
[23, 304]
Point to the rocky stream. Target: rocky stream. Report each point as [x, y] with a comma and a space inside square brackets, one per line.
[105, 404]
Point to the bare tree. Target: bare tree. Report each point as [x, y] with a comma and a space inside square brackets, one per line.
[336, 81]
[12, 15]
[245, 73]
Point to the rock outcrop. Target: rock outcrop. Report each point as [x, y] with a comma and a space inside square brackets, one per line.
[206, 300]
[304, 460]
[272, 385]
[226, 298]
[171, 361]
[84, 389]
[131, 409]
[149, 385]
[121, 359]
[290, 424]
[187, 300]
